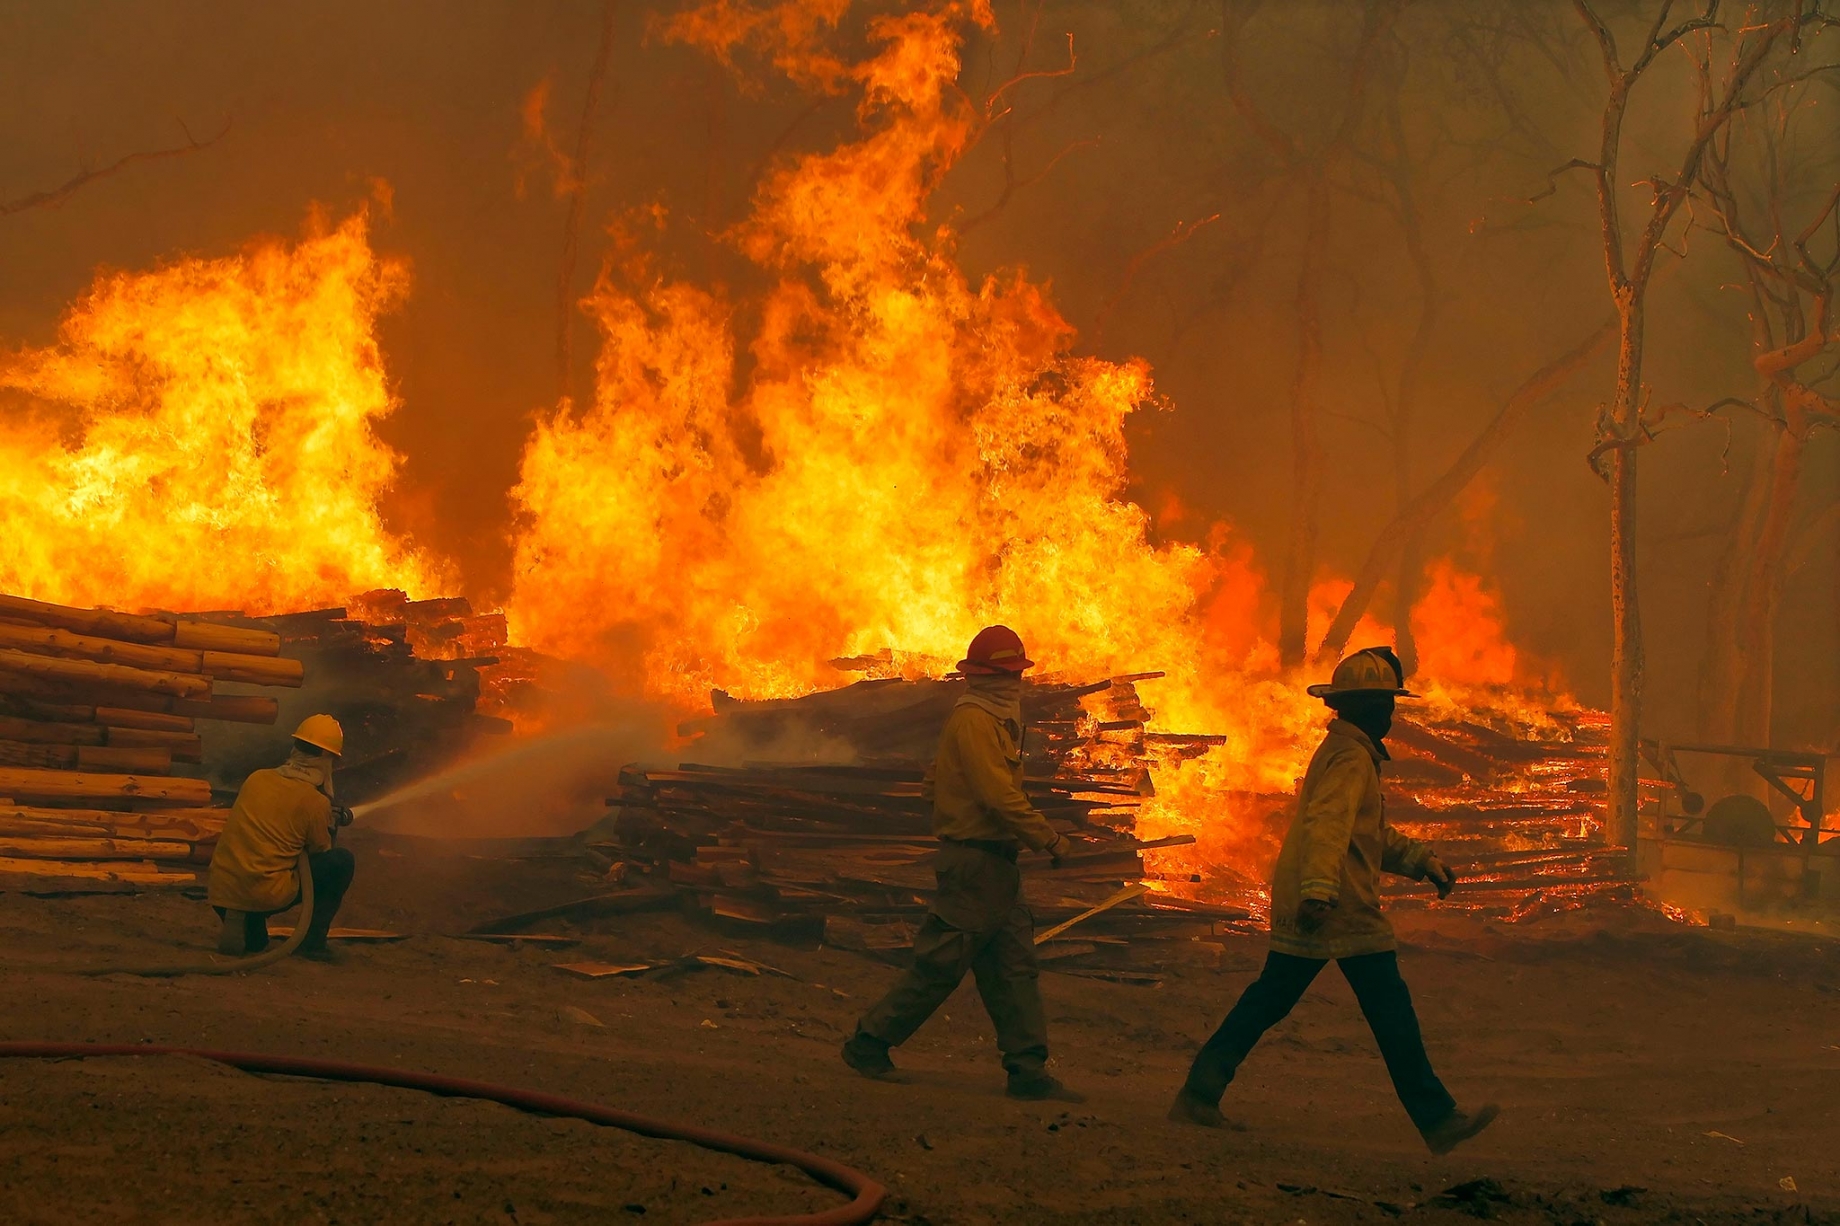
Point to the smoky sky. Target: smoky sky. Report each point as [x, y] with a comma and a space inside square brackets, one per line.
[1082, 184]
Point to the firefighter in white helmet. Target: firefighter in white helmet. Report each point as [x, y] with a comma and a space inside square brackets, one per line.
[279, 813]
[1325, 905]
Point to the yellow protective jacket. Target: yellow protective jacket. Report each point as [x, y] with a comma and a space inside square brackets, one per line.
[1338, 845]
[977, 782]
[274, 819]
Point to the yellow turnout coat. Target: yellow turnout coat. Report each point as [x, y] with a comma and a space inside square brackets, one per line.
[1338, 845]
[275, 818]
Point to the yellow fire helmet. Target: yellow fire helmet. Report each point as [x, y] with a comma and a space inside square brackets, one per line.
[1371, 670]
[322, 732]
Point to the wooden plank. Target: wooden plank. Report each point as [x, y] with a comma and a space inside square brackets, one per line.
[181, 746]
[79, 848]
[23, 783]
[109, 676]
[140, 873]
[104, 622]
[619, 902]
[601, 970]
[224, 665]
[143, 761]
[238, 708]
[1124, 895]
[370, 936]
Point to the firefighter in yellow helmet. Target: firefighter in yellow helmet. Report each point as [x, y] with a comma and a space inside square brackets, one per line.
[1325, 905]
[279, 813]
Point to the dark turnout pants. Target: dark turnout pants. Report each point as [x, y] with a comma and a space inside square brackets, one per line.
[977, 924]
[1385, 1001]
[332, 873]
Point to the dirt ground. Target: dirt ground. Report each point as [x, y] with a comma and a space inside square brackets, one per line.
[1646, 1073]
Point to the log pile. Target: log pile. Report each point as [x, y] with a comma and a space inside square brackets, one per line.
[1520, 819]
[100, 750]
[406, 678]
[846, 850]
[790, 837]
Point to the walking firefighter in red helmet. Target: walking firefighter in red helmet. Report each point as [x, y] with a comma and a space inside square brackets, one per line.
[1325, 904]
[978, 924]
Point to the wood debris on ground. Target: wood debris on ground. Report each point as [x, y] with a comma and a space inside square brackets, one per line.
[1520, 818]
[846, 849]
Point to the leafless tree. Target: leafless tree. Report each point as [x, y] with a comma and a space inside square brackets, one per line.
[1313, 170]
[1745, 47]
[1789, 274]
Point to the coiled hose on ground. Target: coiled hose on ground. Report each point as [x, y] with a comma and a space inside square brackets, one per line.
[866, 1193]
[266, 958]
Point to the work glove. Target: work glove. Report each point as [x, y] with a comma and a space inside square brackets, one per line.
[1313, 913]
[1439, 875]
[1058, 848]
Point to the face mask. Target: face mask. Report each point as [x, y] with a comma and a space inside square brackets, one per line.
[1371, 713]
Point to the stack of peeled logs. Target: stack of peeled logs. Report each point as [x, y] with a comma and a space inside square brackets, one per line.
[99, 716]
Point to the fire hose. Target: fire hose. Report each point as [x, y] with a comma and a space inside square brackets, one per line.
[867, 1194]
[266, 958]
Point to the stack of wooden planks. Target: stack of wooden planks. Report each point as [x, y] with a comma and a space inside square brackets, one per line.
[777, 841]
[404, 677]
[1519, 817]
[100, 751]
[847, 850]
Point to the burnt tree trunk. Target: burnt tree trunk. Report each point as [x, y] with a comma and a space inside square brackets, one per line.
[1626, 661]
[1306, 442]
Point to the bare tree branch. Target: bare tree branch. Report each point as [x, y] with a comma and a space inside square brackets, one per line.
[1183, 231]
[1415, 515]
[55, 196]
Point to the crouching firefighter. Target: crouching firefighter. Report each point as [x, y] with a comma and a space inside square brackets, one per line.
[279, 813]
[1325, 905]
[978, 923]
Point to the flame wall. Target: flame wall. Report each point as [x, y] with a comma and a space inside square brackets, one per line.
[202, 436]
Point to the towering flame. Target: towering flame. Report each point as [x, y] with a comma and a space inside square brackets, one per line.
[925, 456]
[872, 455]
[201, 436]
[904, 456]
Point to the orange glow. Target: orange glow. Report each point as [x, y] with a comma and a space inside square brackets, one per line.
[925, 455]
[936, 457]
[873, 456]
[1458, 626]
[201, 436]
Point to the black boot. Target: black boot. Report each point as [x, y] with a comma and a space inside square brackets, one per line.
[1458, 1127]
[1039, 1087]
[230, 938]
[868, 1055]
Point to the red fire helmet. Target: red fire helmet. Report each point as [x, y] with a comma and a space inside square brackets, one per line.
[996, 649]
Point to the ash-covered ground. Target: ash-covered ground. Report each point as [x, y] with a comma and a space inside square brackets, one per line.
[1646, 1073]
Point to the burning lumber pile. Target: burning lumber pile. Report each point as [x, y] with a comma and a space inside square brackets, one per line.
[98, 729]
[404, 677]
[790, 837]
[1520, 819]
[847, 849]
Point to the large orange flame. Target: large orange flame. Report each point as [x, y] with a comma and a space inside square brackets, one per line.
[930, 457]
[909, 456]
[200, 436]
[875, 455]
